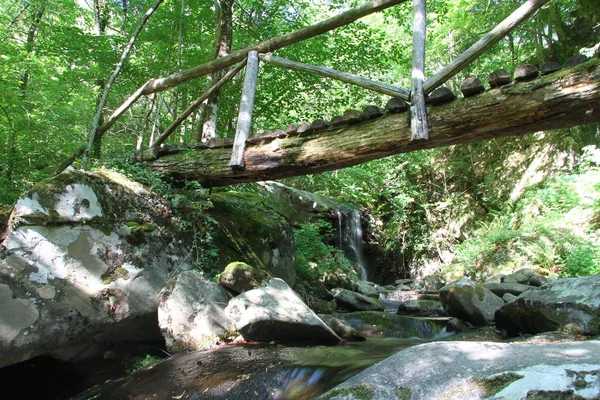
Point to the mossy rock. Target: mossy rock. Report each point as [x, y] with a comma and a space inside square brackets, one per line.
[240, 277]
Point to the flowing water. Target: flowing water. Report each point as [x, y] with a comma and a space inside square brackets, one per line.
[266, 372]
[351, 237]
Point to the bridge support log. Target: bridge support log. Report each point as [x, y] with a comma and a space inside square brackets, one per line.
[563, 99]
[244, 122]
[418, 111]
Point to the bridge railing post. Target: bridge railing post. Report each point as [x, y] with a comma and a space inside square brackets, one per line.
[418, 112]
[244, 122]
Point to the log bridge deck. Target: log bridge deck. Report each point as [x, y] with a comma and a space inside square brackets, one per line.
[562, 99]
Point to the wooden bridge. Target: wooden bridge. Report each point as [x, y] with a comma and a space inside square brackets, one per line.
[434, 116]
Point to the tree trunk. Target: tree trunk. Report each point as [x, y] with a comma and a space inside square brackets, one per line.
[559, 100]
[37, 17]
[95, 137]
[223, 39]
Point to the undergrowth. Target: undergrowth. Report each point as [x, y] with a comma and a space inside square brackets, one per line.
[315, 258]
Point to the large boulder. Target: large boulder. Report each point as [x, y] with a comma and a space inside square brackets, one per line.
[353, 301]
[470, 301]
[571, 304]
[191, 312]
[250, 230]
[276, 313]
[484, 370]
[240, 277]
[84, 262]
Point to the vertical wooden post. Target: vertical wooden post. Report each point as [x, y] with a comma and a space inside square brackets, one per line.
[418, 112]
[244, 122]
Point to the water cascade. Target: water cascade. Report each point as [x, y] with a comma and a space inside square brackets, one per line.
[351, 234]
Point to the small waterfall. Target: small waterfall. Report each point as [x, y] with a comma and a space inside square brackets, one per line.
[339, 216]
[352, 235]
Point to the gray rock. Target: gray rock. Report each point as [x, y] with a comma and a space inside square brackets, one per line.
[470, 301]
[509, 297]
[521, 276]
[500, 289]
[526, 72]
[191, 312]
[276, 313]
[550, 67]
[525, 276]
[571, 305]
[575, 60]
[240, 277]
[471, 87]
[396, 105]
[402, 287]
[344, 331]
[498, 78]
[422, 308]
[538, 280]
[440, 95]
[84, 265]
[403, 281]
[355, 301]
[366, 289]
[469, 371]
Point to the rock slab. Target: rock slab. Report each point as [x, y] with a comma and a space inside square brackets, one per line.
[479, 370]
[276, 313]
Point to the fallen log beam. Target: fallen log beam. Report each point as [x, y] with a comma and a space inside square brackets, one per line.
[563, 99]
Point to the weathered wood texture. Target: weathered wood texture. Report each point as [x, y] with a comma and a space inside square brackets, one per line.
[244, 121]
[495, 35]
[418, 111]
[339, 75]
[563, 99]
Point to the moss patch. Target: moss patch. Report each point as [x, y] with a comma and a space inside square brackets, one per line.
[359, 392]
[493, 385]
[114, 273]
[403, 393]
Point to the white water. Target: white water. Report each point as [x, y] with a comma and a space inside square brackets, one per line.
[351, 236]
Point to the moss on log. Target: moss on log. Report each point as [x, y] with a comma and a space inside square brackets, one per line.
[563, 99]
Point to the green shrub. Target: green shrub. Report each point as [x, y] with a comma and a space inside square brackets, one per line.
[314, 257]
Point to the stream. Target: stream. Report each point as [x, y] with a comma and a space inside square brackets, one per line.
[253, 371]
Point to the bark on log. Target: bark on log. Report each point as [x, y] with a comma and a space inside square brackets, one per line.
[563, 99]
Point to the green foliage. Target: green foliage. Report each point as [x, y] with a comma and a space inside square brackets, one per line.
[544, 230]
[135, 364]
[314, 257]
